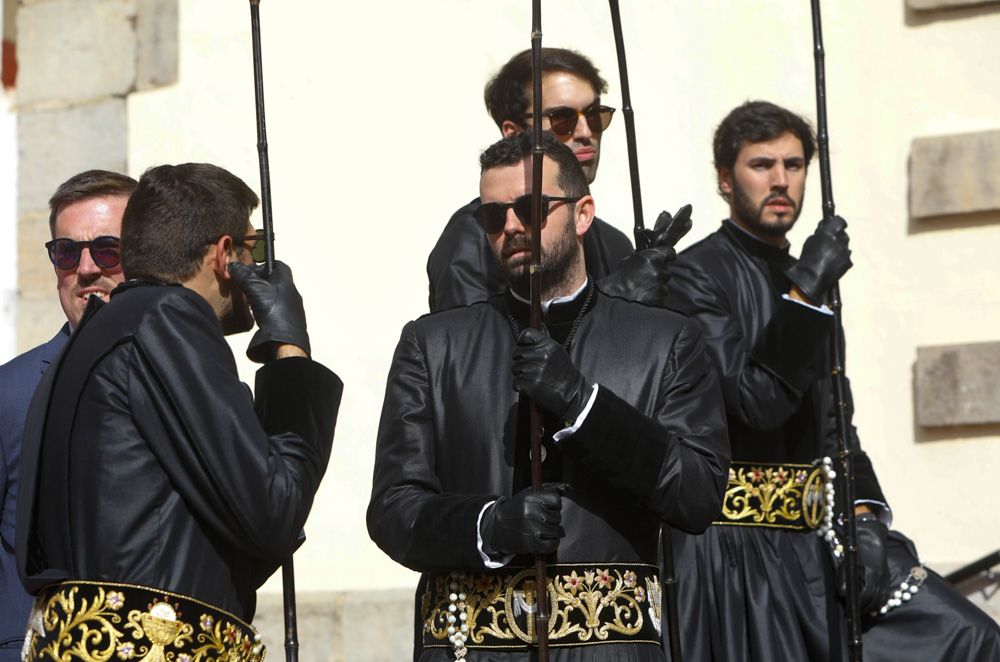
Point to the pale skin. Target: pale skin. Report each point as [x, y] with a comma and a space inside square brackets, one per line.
[565, 90]
[214, 283]
[506, 183]
[86, 220]
[770, 168]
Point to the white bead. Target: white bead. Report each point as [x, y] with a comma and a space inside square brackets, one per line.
[453, 597]
[829, 534]
[461, 596]
[451, 618]
[452, 608]
[897, 595]
[914, 589]
[883, 610]
[904, 587]
[907, 596]
[451, 629]
[465, 628]
[463, 616]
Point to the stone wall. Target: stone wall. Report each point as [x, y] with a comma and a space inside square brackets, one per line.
[78, 61]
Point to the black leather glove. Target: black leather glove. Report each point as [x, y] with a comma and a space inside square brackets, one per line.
[873, 564]
[527, 523]
[277, 308]
[643, 276]
[825, 258]
[544, 372]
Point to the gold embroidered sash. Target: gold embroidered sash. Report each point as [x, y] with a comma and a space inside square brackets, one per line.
[784, 496]
[588, 604]
[100, 622]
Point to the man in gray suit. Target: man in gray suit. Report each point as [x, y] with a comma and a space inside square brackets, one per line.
[85, 223]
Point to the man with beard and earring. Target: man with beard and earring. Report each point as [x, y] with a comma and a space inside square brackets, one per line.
[461, 269]
[760, 584]
[156, 493]
[85, 222]
[630, 441]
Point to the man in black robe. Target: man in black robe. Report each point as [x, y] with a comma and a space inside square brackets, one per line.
[461, 268]
[157, 494]
[760, 584]
[634, 436]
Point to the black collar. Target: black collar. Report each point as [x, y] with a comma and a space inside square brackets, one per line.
[756, 247]
[559, 319]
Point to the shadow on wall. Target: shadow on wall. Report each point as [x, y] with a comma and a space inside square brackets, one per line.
[946, 11]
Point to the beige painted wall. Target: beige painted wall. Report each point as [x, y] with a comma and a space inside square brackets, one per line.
[375, 121]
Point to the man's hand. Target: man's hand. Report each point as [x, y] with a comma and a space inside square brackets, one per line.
[643, 276]
[873, 564]
[544, 372]
[277, 308]
[527, 523]
[825, 258]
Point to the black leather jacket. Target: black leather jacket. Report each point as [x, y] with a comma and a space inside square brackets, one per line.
[146, 461]
[772, 354]
[653, 447]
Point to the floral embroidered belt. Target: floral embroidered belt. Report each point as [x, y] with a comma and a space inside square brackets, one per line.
[588, 604]
[783, 496]
[96, 621]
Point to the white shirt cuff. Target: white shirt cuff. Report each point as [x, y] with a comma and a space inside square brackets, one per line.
[565, 432]
[490, 563]
[820, 309]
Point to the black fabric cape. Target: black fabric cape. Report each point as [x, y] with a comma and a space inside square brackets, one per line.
[146, 461]
[461, 269]
[653, 447]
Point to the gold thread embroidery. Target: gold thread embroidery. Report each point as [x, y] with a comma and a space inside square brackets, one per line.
[776, 495]
[585, 606]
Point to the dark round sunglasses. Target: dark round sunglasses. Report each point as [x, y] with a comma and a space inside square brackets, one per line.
[492, 216]
[65, 252]
[562, 121]
[258, 252]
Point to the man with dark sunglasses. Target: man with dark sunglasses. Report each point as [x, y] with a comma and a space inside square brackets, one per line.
[154, 486]
[85, 222]
[460, 268]
[630, 440]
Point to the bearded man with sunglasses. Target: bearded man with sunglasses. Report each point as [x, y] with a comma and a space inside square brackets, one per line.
[630, 441]
[461, 270]
[154, 487]
[85, 223]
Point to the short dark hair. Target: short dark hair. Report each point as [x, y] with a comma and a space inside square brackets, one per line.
[516, 147]
[175, 212]
[87, 185]
[506, 94]
[754, 122]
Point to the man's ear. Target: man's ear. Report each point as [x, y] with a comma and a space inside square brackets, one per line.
[221, 254]
[509, 128]
[583, 214]
[725, 177]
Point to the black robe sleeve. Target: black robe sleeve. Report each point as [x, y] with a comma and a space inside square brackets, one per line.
[251, 488]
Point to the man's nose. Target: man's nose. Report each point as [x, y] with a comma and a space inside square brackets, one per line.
[87, 266]
[582, 130]
[513, 224]
[779, 177]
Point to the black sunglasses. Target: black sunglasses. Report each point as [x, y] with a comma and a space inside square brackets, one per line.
[492, 216]
[65, 252]
[258, 251]
[562, 121]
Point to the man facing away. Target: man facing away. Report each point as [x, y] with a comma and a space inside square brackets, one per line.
[760, 584]
[630, 441]
[85, 225]
[157, 495]
[461, 269]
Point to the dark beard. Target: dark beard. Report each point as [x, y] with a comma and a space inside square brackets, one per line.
[557, 263]
[750, 216]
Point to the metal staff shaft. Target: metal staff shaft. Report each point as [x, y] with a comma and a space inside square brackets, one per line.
[844, 443]
[670, 603]
[288, 567]
[265, 169]
[537, 155]
[633, 158]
